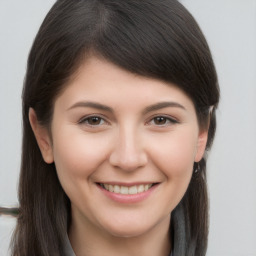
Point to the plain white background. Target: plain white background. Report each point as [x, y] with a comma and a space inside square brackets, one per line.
[230, 28]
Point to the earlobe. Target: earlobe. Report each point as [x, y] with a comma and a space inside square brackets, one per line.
[42, 137]
[201, 145]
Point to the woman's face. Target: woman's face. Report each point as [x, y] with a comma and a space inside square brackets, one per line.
[124, 147]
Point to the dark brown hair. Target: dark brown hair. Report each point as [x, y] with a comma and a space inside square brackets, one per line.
[158, 39]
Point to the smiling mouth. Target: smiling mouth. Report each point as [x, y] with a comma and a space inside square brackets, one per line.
[125, 190]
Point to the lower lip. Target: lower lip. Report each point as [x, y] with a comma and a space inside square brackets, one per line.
[127, 198]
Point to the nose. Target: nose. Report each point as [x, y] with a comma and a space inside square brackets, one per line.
[128, 153]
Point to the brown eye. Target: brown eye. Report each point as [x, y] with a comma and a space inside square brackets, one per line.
[92, 121]
[160, 120]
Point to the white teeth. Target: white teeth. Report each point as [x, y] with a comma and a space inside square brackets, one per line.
[133, 190]
[116, 189]
[111, 188]
[141, 188]
[124, 190]
[127, 190]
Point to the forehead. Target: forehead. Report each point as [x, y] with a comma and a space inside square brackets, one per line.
[99, 80]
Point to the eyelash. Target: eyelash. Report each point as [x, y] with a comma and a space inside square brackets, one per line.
[85, 120]
[167, 121]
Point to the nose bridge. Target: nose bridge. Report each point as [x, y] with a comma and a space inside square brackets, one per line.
[128, 152]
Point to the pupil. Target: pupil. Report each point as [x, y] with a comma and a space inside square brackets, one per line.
[94, 120]
[160, 120]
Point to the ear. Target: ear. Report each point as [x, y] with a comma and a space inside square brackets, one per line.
[201, 145]
[42, 137]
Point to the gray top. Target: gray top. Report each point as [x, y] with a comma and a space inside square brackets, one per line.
[67, 248]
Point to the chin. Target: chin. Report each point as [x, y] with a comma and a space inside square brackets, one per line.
[127, 233]
[127, 229]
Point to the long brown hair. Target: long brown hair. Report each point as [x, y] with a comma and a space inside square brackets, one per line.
[158, 39]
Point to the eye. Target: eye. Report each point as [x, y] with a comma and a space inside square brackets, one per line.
[162, 121]
[92, 121]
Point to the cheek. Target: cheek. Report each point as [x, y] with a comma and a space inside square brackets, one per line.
[174, 154]
[79, 155]
[174, 157]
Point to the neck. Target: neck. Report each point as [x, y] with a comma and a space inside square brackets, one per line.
[87, 240]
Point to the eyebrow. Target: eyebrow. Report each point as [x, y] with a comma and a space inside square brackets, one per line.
[161, 105]
[148, 109]
[91, 104]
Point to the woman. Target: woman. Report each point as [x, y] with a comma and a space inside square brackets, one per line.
[118, 108]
